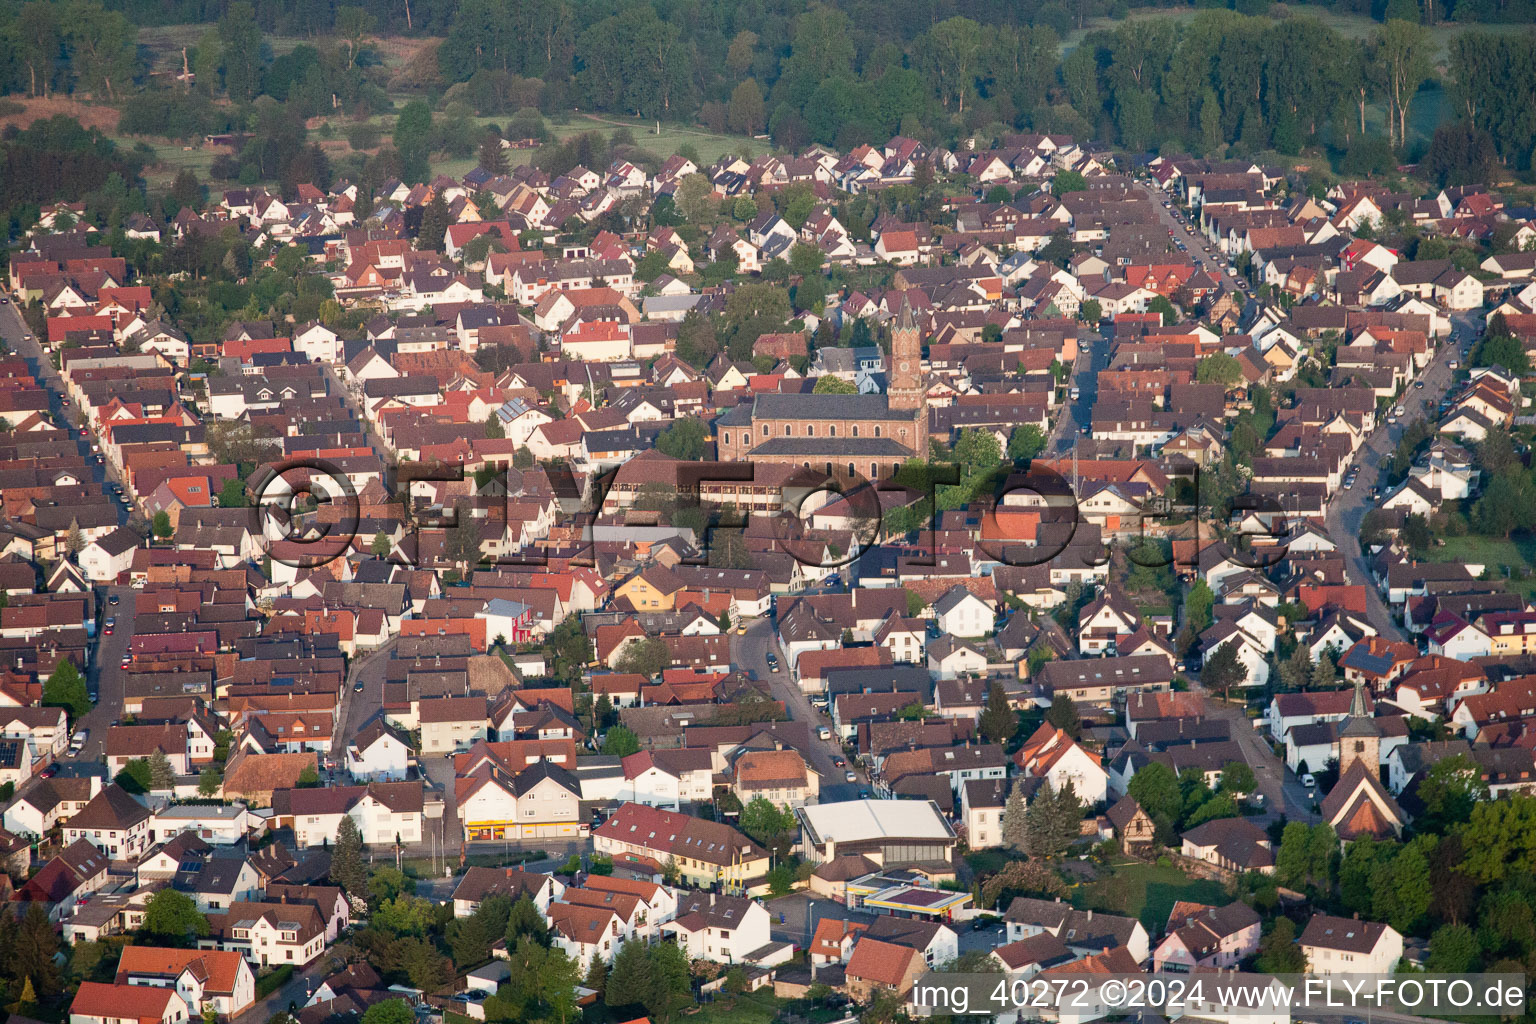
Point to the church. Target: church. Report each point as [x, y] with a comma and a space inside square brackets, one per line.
[1359, 804]
[841, 435]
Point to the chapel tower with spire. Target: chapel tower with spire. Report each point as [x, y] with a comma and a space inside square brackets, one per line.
[905, 380]
[1360, 736]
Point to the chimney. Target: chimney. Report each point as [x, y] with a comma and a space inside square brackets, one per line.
[1090, 913]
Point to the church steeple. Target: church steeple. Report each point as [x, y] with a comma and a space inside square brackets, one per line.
[1359, 735]
[905, 388]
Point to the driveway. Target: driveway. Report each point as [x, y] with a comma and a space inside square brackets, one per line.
[749, 651]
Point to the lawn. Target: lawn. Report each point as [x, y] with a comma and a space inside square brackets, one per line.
[1146, 892]
[748, 1008]
[1495, 554]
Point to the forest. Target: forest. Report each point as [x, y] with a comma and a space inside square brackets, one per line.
[1259, 79]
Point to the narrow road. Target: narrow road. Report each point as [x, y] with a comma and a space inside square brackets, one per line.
[1346, 512]
[749, 651]
[1092, 356]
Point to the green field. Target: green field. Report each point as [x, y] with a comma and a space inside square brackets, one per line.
[748, 1008]
[1496, 554]
[1146, 892]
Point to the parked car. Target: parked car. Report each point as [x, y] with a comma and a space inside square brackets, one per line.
[773, 662]
[849, 776]
[1308, 781]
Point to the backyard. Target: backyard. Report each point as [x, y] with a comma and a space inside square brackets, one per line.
[1146, 892]
[1515, 555]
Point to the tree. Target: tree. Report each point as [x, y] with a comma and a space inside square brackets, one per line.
[1155, 788]
[308, 777]
[1198, 602]
[695, 198]
[172, 918]
[1223, 670]
[1015, 818]
[209, 781]
[655, 977]
[390, 1011]
[1026, 442]
[647, 657]
[1449, 790]
[232, 494]
[161, 775]
[1453, 949]
[1052, 820]
[1401, 887]
[462, 543]
[240, 41]
[998, 720]
[413, 140]
[1091, 311]
[769, 824]
[135, 777]
[493, 156]
[186, 192]
[746, 115]
[347, 867]
[1237, 778]
[620, 741]
[685, 439]
[1324, 674]
[1279, 952]
[1068, 181]
[1218, 368]
[953, 47]
[827, 384]
[66, 689]
[435, 221]
[524, 919]
[32, 953]
[1063, 715]
[1160, 304]
[1402, 53]
[37, 39]
[380, 546]
[162, 525]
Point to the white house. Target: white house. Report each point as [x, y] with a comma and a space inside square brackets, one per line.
[379, 753]
[1343, 945]
[961, 613]
[667, 778]
[720, 928]
[383, 811]
[107, 557]
[1052, 755]
[200, 977]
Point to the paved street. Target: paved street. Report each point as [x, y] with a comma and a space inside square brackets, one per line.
[1073, 416]
[1283, 792]
[749, 652]
[1347, 510]
[102, 674]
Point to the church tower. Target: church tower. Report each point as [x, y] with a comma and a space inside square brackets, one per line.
[1360, 736]
[904, 381]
